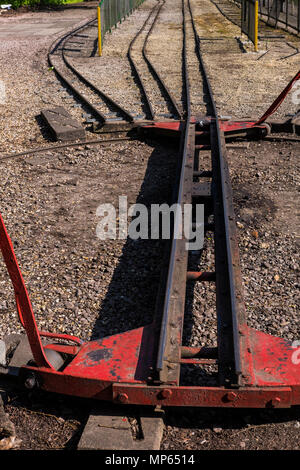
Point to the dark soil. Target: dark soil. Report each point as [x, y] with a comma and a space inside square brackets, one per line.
[46, 422]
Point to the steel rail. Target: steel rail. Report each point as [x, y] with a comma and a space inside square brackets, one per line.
[76, 92]
[233, 263]
[176, 280]
[95, 111]
[63, 40]
[134, 67]
[230, 310]
[153, 70]
[62, 146]
[87, 82]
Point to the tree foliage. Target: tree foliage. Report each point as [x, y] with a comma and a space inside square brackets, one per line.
[33, 3]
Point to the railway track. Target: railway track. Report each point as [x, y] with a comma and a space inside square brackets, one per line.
[103, 108]
[203, 179]
[198, 177]
[157, 102]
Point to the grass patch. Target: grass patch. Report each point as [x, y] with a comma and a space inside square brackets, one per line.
[37, 3]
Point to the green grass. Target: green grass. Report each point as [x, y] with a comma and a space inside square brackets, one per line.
[18, 3]
[73, 1]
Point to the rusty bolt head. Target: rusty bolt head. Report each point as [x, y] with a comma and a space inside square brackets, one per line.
[275, 401]
[122, 397]
[165, 393]
[30, 382]
[231, 396]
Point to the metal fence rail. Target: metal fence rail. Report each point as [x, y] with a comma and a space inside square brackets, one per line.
[286, 12]
[282, 12]
[112, 12]
[249, 20]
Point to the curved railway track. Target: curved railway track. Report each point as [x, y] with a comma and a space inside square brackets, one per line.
[168, 107]
[157, 100]
[97, 102]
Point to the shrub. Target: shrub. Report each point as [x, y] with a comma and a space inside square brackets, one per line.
[33, 3]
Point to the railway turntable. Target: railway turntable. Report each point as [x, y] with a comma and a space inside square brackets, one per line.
[142, 366]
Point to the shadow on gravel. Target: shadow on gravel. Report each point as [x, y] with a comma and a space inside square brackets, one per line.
[228, 418]
[44, 129]
[232, 429]
[45, 421]
[131, 297]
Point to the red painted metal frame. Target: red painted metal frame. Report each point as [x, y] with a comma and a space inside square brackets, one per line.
[230, 127]
[174, 127]
[23, 304]
[117, 368]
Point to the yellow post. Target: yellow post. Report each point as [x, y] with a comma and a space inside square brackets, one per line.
[256, 27]
[99, 31]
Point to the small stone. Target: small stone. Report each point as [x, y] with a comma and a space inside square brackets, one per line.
[2, 353]
[4, 305]
[217, 430]
[277, 277]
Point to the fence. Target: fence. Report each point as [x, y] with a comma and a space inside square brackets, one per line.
[110, 13]
[286, 12]
[249, 20]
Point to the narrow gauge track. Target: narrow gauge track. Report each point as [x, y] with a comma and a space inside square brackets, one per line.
[157, 100]
[99, 104]
[154, 89]
[207, 183]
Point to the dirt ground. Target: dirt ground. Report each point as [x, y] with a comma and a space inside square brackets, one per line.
[49, 204]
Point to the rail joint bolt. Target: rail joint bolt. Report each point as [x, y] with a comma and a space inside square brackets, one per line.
[274, 402]
[165, 393]
[231, 396]
[122, 397]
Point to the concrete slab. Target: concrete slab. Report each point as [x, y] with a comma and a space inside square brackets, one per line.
[62, 124]
[110, 430]
[153, 428]
[104, 431]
